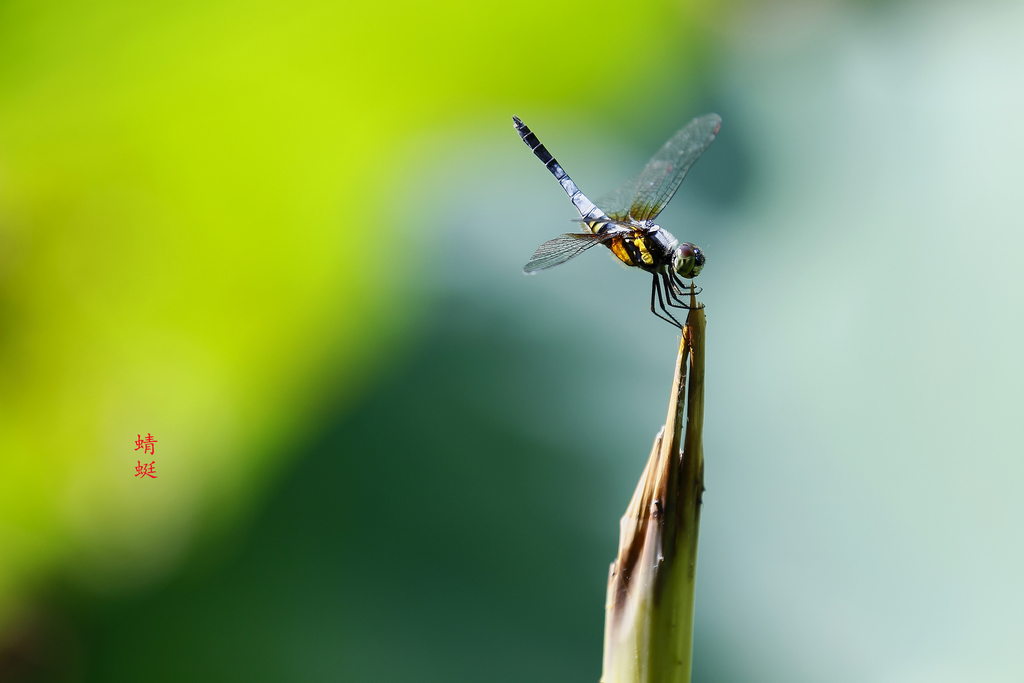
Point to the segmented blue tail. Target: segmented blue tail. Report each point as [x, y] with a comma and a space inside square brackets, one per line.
[587, 208]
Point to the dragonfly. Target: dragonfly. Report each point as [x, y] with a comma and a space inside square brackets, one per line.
[625, 221]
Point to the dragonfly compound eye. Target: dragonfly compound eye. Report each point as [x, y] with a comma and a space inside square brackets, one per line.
[688, 260]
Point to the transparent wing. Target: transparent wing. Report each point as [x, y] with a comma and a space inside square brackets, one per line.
[564, 247]
[616, 203]
[642, 197]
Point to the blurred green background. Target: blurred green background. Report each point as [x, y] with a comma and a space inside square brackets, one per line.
[286, 238]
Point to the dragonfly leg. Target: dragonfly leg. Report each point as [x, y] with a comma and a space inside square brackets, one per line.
[672, 292]
[656, 290]
[677, 285]
[684, 288]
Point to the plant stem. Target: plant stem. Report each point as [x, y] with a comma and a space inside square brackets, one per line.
[649, 610]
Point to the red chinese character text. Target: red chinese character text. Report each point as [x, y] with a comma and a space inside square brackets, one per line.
[149, 443]
[144, 470]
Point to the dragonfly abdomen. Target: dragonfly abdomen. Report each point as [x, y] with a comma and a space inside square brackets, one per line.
[588, 210]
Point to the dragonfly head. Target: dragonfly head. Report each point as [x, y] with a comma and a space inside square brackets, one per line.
[687, 260]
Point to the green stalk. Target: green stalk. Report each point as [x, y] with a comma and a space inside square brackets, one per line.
[648, 634]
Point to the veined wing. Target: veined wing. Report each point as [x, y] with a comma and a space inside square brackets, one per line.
[642, 197]
[564, 247]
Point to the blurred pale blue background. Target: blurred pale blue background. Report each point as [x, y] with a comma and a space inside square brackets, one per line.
[287, 239]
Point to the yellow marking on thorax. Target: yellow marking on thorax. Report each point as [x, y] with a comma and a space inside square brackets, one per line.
[619, 249]
[641, 244]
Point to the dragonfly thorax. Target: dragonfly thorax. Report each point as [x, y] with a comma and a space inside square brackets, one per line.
[661, 239]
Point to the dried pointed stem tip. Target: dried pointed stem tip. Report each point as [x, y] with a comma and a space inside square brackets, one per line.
[648, 635]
